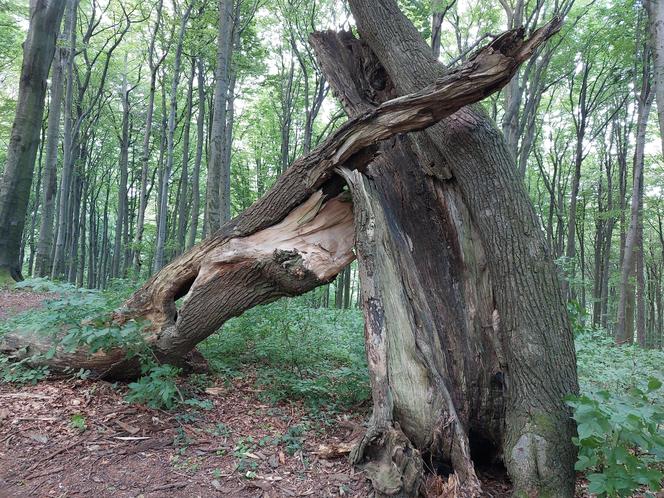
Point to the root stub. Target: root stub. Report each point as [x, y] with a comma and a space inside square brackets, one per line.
[390, 461]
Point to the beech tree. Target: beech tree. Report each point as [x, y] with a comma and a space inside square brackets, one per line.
[38, 50]
[463, 361]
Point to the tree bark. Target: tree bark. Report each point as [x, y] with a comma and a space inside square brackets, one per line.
[123, 162]
[145, 153]
[539, 352]
[218, 185]
[184, 177]
[38, 50]
[166, 174]
[67, 145]
[655, 10]
[624, 326]
[200, 139]
[45, 243]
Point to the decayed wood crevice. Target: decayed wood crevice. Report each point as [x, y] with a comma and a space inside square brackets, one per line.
[308, 248]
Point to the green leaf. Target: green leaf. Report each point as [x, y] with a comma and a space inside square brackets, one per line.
[654, 384]
[597, 484]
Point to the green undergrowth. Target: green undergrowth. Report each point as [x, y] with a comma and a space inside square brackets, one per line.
[72, 318]
[297, 352]
[292, 351]
[619, 414]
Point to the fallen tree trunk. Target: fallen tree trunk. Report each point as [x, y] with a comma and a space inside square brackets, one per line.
[296, 237]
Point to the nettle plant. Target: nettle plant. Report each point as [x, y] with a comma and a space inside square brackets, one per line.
[620, 439]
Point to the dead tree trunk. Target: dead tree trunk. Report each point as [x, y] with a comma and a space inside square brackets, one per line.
[447, 371]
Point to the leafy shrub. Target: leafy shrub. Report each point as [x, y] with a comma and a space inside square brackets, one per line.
[77, 317]
[604, 367]
[77, 421]
[72, 319]
[20, 372]
[157, 389]
[620, 412]
[620, 439]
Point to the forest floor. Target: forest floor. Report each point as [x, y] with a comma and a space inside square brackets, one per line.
[80, 438]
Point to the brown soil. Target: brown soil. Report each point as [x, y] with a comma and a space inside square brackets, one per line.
[13, 301]
[124, 450]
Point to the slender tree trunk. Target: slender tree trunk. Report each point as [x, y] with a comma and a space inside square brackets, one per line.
[218, 177]
[184, 177]
[83, 220]
[166, 176]
[123, 163]
[624, 327]
[72, 253]
[35, 207]
[38, 50]
[655, 10]
[200, 139]
[145, 153]
[45, 244]
[570, 246]
[639, 265]
[67, 160]
[286, 117]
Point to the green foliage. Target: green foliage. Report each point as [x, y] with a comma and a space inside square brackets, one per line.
[243, 452]
[72, 318]
[157, 389]
[293, 440]
[78, 317]
[313, 354]
[604, 367]
[21, 372]
[620, 439]
[77, 421]
[619, 414]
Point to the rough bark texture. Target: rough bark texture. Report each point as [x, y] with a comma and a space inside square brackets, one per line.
[218, 185]
[422, 286]
[38, 50]
[625, 318]
[655, 10]
[540, 360]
